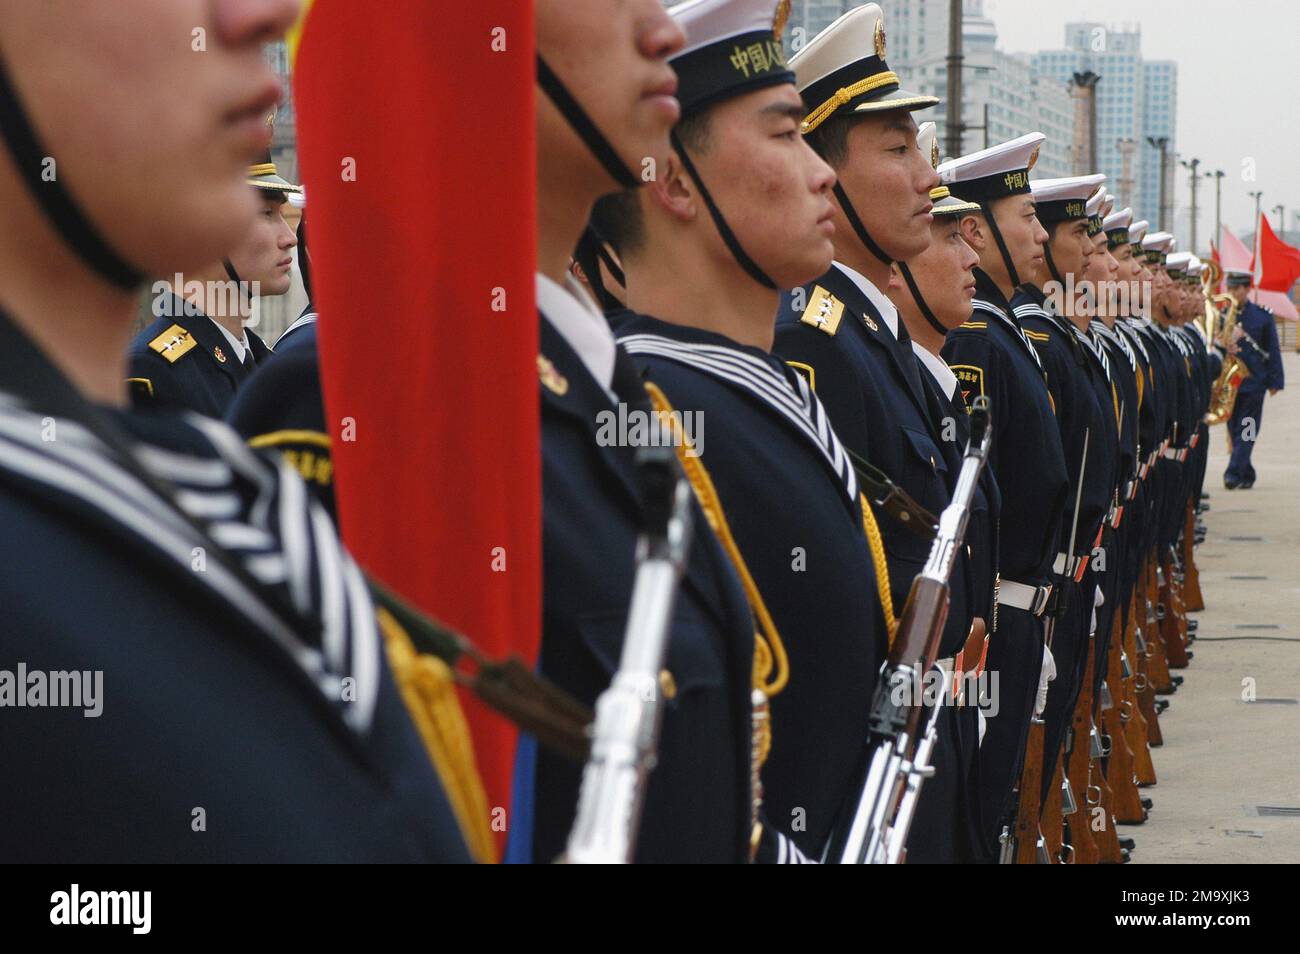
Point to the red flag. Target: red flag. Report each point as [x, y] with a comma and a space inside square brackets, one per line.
[1233, 254]
[1279, 262]
[415, 124]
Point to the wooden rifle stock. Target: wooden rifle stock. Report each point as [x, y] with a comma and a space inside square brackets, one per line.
[1192, 578]
[1029, 807]
[1079, 825]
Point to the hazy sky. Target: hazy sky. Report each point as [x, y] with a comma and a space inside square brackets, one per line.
[1238, 86]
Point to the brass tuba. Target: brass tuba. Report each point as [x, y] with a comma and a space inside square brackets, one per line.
[1220, 320]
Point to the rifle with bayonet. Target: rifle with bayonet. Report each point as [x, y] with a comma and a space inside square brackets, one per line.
[629, 712]
[875, 827]
[1029, 844]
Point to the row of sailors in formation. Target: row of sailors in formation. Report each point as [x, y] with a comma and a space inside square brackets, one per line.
[807, 278]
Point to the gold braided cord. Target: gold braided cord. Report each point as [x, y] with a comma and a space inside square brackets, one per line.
[843, 96]
[882, 568]
[429, 692]
[769, 651]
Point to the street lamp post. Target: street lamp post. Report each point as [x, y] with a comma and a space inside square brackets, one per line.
[1281, 221]
[1161, 143]
[1217, 176]
[1195, 181]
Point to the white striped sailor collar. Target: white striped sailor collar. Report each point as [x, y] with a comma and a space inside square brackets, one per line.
[989, 299]
[257, 512]
[302, 321]
[874, 295]
[1117, 339]
[753, 370]
[938, 369]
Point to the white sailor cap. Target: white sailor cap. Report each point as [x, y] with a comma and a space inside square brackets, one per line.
[1116, 227]
[842, 70]
[1156, 246]
[1137, 231]
[1059, 200]
[1237, 277]
[732, 47]
[993, 173]
[1107, 206]
[1178, 261]
[945, 203]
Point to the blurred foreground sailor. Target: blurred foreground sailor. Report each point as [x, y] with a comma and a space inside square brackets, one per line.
[248, 712]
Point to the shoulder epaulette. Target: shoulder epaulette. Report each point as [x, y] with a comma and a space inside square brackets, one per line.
[173, 343]
[824, 311]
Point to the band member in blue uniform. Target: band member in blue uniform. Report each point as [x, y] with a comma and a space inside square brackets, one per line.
[741, 208]
[1261, 352]
[201, 349]
[699, 803]
[248, 712]
[933, 292]
[991, 355]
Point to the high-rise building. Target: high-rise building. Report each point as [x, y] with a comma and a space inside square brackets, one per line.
[284, 145]
[1135, 99]
[1002, 97]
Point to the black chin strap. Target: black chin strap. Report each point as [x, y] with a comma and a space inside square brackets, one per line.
[589, 254]
[1051, 265]
[586, 129]
[1012, 274]
[60, 209]
[729, 237]
[234, 275]
[859, 229]
[926, 313]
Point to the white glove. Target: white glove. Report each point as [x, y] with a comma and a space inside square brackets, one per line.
[984, 724]
[1045, 675]
[1097, 600]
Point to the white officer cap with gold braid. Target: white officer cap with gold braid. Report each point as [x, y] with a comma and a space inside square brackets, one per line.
[842, 70]
[995, 172]
[732, 48]
[1064, 199]
[945, 203]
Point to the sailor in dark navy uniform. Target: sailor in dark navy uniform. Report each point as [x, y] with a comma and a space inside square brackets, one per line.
[1121, 570]
[991, 355]
[699, 803]
[247, 712]
[933, 292]
[841, 331]
[782, 487]
[1261, 352]
[1077, 381]
[187, 359]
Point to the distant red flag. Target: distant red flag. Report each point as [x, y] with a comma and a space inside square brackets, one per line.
[1279, 262]
[1233, 254]
[415, 123]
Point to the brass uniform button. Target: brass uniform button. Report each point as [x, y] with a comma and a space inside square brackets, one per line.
[667, 685]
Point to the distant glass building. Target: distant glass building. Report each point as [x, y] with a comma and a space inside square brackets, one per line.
[1135, 99]
[284, 147]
